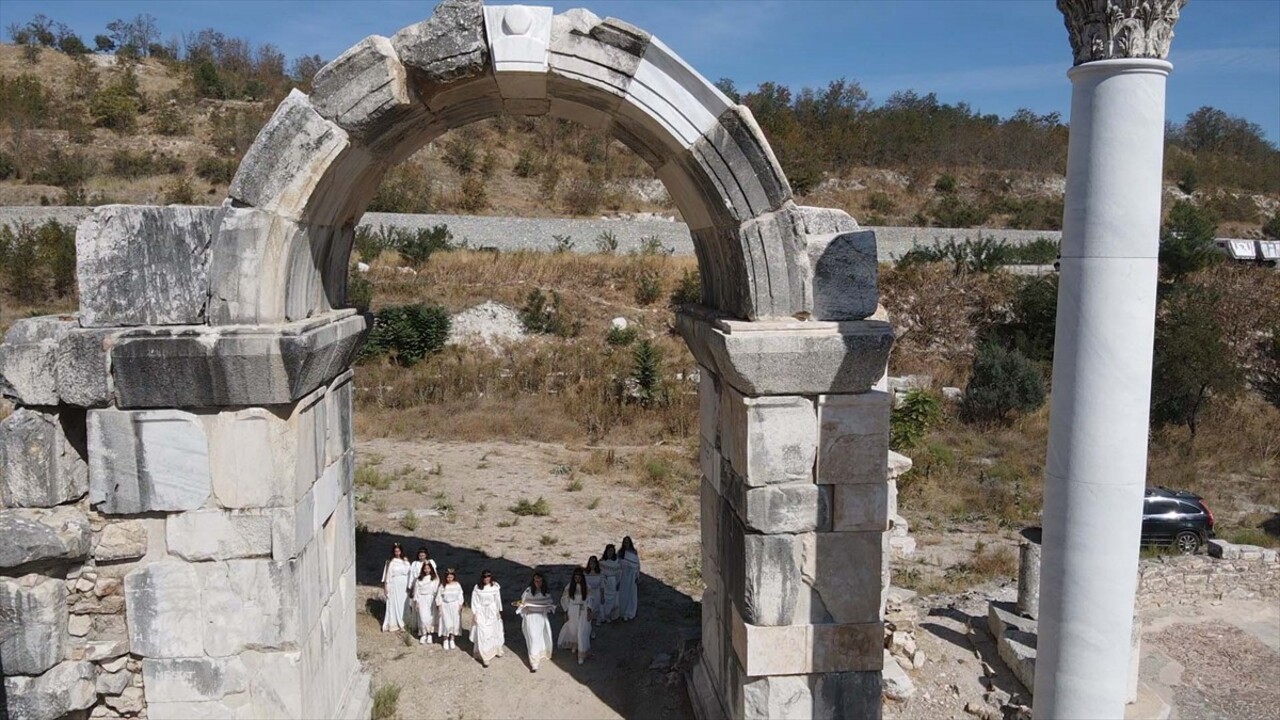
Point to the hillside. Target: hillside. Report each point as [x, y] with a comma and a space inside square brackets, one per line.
[101, 128]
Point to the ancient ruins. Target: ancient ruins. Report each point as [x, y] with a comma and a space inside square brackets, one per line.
[178, 507]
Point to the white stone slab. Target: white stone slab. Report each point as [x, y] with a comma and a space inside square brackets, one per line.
[768, 440]
[248, 604]
[253, 461]
[219, 535]
[163, 611]
[519, 45]
[853, 444]
[147, 460]
[193, 679]
[679, 103]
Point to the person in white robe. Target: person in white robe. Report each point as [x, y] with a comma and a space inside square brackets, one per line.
[595, 591]
[576, 633]
[611, 571]
[629, 560]
[415, 569]
[535, 608]
[395, 587]
[487, 637]
[425, 587]
[449, 608]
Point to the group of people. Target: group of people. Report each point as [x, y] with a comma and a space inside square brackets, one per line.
[602, 591]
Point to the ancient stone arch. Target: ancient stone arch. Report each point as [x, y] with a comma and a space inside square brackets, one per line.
[185, 440]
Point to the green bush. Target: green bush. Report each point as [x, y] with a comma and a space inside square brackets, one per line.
[216, 170]
[473, 194]
[169, 120]
[984, 255]
[1267, 373]
[462, 153]
[1271, 229]
[64, 169]
[359, 292]
[646, 373]
[1187, 241]
[688, 289]
[7, 169]
[945, 184]
[536, 508]
[909, 422]
[23, 101]
[583, 195]
[132, 165]
[115, 108]
[880, 202]
[537, 316]
[526, 164]
[1041, 251]
[1033, 319]
[405, 188]
[952, 212]
[38, 262]
[1192, 362]
[562, 243]
[416, 247]
[408, 333]
[606, 241]
[1002, 381]
[180, 192]
[648, 287]
[621, 337]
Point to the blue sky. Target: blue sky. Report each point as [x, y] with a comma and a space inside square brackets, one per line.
[997, 55]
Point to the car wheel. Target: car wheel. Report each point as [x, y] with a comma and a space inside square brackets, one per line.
[1187, 542]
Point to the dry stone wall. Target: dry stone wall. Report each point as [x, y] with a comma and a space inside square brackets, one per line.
[1242, 572]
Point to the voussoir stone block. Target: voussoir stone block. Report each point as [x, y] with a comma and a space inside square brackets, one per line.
[68, 687]
[601, 55]
[768, 440]
[42, 461]
[519, 40]
[846, 272]
[853, 444]
[35, 535]
[448, 47]
[163, 611]
[143, 265]
[33, 624]
[147, 460]
[669, 105]
[218, 535]
[28, 359]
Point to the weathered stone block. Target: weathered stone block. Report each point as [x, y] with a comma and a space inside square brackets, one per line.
[196, 679]
[847, 575]
[341, 417]
[447, 48]
[778, 580]
[853, 445]
[42, 461]
[147, 460]
[113, 683]
[248, 604]
[519, 40]
[863, 507]
[365, 91]
[600, 54]
[33, 624]
[793, 507]
[252, 455]
[846, 648]
[141, 265]
[775, 650]
[122, 540]
[68, 687]
[163, 611]
[780, 697]
[768, 440]
[219, 535]
[28, 358]
[83, 367]
[846, 273]
[35, 535]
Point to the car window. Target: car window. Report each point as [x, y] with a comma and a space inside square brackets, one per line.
[1190, 508]
[1159, 506]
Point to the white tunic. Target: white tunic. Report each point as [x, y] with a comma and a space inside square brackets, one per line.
[424, 598]
[627, 597]
[535, 611]
[487, 635]
[395, 580]
[576, 633]
[612, 572]
[449, 603]
[595, 594]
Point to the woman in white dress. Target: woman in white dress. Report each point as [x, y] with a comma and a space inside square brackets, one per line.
[595, 591]
[425, 587]
[449, 608]
[629, 560]
[415, 570]
[487, 636]
[395, 586]
[576, 633]
[535, 608]
[611, 571]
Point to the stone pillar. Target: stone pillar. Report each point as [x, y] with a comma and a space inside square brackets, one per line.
[795, 513]
[1096, 464]
[179, 522]
[1029, 573]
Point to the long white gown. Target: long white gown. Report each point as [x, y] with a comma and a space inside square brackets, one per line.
[449, 602]
[487, 636]
[595, 594]
[395, 580]
[424, 598]
[536, 624]
[612, 573]
[628, 600]
[576, 633]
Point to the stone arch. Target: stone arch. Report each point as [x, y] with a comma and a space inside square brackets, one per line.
[283, 244]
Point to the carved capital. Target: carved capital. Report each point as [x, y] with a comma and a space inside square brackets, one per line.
[1113, 29]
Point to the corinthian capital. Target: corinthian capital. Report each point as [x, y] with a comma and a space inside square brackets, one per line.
[1110, 29]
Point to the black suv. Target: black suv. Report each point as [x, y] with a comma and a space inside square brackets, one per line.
[1176, 517]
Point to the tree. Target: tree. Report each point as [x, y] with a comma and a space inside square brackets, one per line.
[1192, 361]
[1002, 381]
[1186, 240]
[646, 373]
[103, 44]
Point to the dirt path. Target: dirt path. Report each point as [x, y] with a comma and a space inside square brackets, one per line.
[617, 680]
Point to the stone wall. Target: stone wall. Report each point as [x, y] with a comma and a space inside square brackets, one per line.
[1249, 574]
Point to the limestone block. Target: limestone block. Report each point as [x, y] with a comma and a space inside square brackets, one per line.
[792, 507]
[147, 460]
[114, 683]
[292, 528]
[847, 575]
[231, 706]
[253, 458]
[709, 460]
[33, 624]
[79, 625]
[815, 221]
[327, 494]
[778, 579]
[768, 440]
[219, 535]
[236, 366]
[853, 445]
[778, 265]
[42, 461]
[776, 650]
[708, 407]
[107, 652]
[446, 48]
[848, 647]
[34, 535]
[193, 679]
[142, 265]
[311, 421]
[592, 60]
[779, 697]
[275, 683]
[669, 106]
[68, 687]
[163, 611]
[28, 359]
[846, 274]
[83, 367]
[863, 507]
[121, 540]
[519, 39]
[898, 464]
[341, 418]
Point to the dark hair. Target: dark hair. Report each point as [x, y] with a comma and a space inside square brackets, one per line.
[534, 590]
[579, 580]
[610, 552]
[593, 560]
[427, 568]
[628, 544]
[423, 551]
[447, 573]
[485, 574]
[394, 548]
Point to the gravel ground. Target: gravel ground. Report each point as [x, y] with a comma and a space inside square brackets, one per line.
[1227, 673]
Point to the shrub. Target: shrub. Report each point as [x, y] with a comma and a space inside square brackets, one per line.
[688, 290]
[7, 169]
[132, 165]
[169, 120]
[1186, 241]
[1192, 361]
[648, 287]
[64, 169]
[408, 333]
[462, 153]
[409, 521]
[233, 131]
[385, 700]
[526, 164]
[606, 242]
[919, 412]
[1041, 251]
[180, 192]
[369, 243]
[23, 101]
[1233, 207]
[646, 373]
[216, 170]
[538, 317]
[945, 184]
[1033, 316]
[473, 194]
[583, 195]
[984, 255]
[115, 108]
[537, 508]
[1002, 381]
[952, 212]
[405, 188]
[359, 292]
[621, 337]
[38, 261]
[1189, 181]
[1267, 377]
[652, 245]
[1036, 214]
[562, 243]
[1271, 229]
[880, 202]
[417, 247]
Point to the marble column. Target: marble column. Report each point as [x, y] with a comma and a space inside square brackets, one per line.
[1097, 455]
